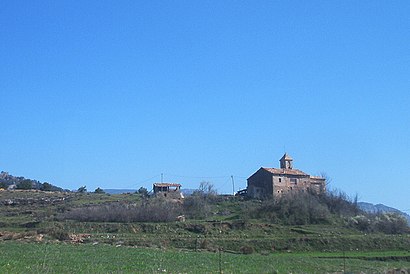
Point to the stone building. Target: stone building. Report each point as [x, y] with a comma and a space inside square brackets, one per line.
[269, 182]
[169, 190]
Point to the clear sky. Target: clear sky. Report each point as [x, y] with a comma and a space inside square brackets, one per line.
[113, 93]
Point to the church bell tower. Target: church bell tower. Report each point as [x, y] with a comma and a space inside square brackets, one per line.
[286, 162]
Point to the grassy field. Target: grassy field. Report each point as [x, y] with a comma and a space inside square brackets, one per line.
[33, 239]
[33, 216]
[87, 258]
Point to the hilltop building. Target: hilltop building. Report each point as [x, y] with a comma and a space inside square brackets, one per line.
[169, 190]
[270, 182]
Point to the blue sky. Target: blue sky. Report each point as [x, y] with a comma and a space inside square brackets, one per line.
[113, 93]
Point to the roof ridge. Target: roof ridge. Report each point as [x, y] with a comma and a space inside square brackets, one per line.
[284, 171]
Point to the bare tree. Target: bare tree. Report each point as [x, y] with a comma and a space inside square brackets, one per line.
[326, 177]
[207, 188]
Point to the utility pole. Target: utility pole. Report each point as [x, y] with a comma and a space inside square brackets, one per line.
[220, 260]
[162, 178]
[233, 186]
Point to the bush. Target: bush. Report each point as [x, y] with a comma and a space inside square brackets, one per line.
[247, 249]
[82, 189]
[361, 222]
[143, 192]
[99, 191]
[25, 184]
[155, 210]
[339, 203]
[59, 234]
[293, 209]
[196, 207]
[391, 223]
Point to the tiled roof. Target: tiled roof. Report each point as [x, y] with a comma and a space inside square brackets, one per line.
[167, 184]
[280, 171]
[317, 178]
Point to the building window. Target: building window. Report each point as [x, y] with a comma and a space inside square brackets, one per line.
[294, 180]
[280, 180]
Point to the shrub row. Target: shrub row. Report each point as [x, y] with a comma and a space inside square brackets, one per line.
[149, 210]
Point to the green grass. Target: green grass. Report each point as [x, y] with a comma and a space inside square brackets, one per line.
[67, 258]
[170, 247]
[36, 213]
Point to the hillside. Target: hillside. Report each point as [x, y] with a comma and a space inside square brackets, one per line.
[20, 182]
[185, 192]
[209, 223]
[111, 233]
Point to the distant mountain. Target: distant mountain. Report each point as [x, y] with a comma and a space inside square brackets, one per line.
[371, 208]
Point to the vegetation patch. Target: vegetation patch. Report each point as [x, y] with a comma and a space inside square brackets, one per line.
[233, 224]
[154, 210]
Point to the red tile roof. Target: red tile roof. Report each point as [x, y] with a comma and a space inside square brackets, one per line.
[280, 171]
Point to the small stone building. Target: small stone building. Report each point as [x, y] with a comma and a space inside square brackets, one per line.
[269, 182]
[169, 190]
